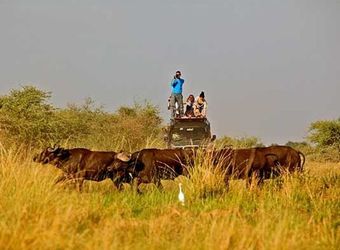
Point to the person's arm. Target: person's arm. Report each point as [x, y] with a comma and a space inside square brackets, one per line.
[174, 82]
[204, 111]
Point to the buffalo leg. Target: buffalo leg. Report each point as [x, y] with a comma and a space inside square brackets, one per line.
[254, 179]
[79, 180]
[226, 181]
[79, 183]
[135, 185]
[251, 181]
[159, 184]
[259, 182]
[118, 183]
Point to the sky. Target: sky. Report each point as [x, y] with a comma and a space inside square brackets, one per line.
[268, 67]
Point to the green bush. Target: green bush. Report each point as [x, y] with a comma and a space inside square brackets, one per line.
[129, 128]
[242, 142]
[303, 146]
[325, 133]
[27, 117]
[325, 136]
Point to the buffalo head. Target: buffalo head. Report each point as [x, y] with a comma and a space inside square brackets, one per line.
[49, 155]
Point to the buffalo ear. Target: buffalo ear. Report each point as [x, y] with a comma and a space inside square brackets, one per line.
[123, 156]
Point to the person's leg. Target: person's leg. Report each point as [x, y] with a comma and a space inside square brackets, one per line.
[176, 112]
[172, 106]
[180, 104]
[196, 112]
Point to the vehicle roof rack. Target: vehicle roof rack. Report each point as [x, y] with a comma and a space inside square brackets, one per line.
[190, 119]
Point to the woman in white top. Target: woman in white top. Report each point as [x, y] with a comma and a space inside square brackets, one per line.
[200, 106]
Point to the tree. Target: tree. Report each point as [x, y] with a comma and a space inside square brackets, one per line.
[26, 115]
[325, 134]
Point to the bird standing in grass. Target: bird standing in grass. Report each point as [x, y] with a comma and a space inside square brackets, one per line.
[181, 197]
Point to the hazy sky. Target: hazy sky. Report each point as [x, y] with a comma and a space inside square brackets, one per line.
[268, 67]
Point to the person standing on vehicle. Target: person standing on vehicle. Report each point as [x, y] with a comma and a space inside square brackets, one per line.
[176, 95]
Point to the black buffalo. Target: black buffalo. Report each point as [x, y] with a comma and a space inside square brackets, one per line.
[249, 164]
[289, 159]
[153, 165]
[82, 164]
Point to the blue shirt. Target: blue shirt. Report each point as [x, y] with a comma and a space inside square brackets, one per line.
[176, 85]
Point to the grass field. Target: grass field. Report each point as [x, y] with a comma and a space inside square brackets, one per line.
[296, 212]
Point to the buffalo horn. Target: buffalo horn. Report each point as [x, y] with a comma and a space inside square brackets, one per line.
[53, 149]
[123, 156]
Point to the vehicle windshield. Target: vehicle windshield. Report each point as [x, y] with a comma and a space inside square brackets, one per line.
[189, 135]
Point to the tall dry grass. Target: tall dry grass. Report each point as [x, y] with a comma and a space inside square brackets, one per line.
[296, 212]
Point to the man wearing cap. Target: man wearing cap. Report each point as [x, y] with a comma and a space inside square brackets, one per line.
[176, 95]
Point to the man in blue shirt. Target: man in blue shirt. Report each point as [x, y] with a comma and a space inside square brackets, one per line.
[176, 95]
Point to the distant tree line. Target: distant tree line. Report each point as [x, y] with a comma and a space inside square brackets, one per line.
[322, 142]
[28, 118]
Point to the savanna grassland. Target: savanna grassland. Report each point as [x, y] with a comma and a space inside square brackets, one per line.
[295, 212]
[292, 212]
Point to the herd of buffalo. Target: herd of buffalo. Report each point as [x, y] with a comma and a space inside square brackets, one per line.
[153, 165]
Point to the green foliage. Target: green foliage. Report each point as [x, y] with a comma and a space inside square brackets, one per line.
[26, 117]
[303, 146]
[325, 133]
[130, 128]
[242, 142]
[297, 144]
[326, 136]
[78, 122]
[144, 125]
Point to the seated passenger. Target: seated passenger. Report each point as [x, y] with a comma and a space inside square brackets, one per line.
[200, 106]
[189, 108]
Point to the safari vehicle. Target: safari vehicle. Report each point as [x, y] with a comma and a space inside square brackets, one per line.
[188, 132]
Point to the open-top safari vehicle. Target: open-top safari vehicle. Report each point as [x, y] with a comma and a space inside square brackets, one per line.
[188, 132]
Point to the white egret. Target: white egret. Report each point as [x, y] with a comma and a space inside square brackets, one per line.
[181, 197]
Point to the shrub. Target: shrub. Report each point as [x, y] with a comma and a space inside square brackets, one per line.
[129, 128]
[242, 142]
[27, 117]
[325, 135]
